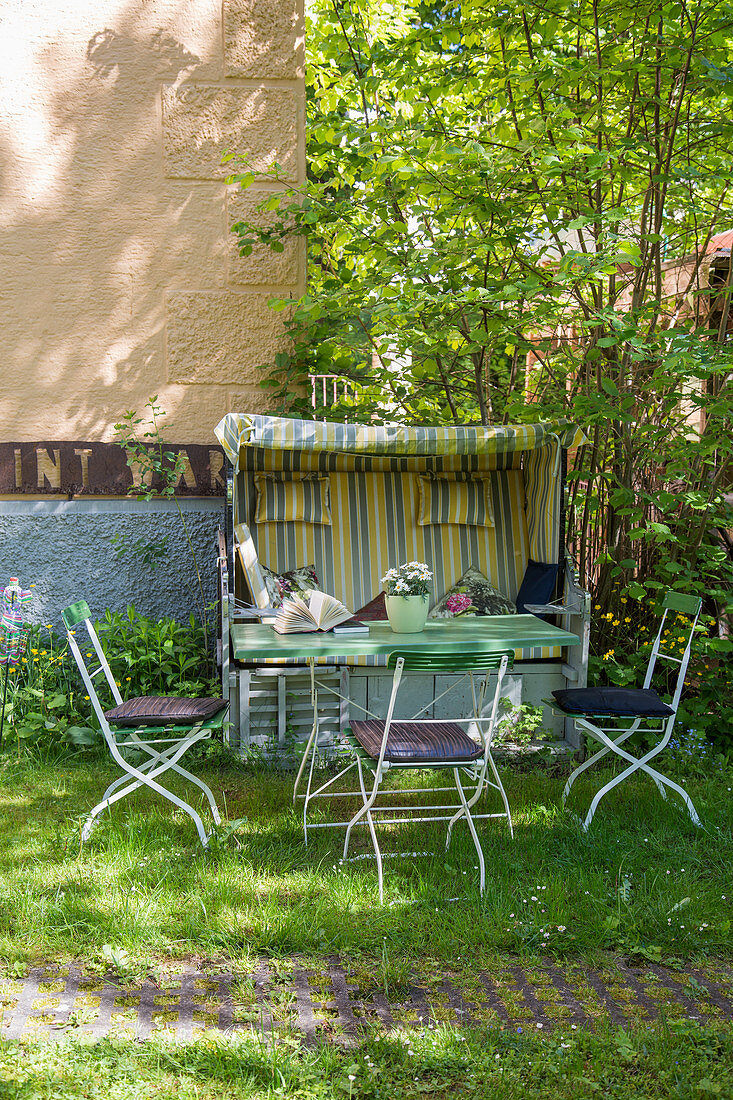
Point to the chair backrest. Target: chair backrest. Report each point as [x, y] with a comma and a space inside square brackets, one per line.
[78, 614]
[250, 563]
[440, 661]
[679, 603]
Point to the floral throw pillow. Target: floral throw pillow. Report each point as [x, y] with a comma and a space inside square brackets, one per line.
[484, 598]
[280, 585]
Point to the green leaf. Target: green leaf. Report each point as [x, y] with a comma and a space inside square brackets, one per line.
[81, 735]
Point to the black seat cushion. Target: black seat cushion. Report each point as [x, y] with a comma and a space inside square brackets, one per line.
[416, 742]
[163, 710]
[616, 702]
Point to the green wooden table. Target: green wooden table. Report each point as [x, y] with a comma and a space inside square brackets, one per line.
[252, 642]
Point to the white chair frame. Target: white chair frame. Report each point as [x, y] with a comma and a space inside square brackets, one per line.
[480, 772]
[164, 751]
[611, 737]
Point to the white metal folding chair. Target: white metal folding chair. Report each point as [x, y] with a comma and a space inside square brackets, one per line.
[385, 745]
[611, 715]
[162, 727]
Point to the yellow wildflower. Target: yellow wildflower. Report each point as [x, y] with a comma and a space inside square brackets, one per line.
[627, 619]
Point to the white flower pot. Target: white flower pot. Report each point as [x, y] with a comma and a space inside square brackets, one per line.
[407, 614]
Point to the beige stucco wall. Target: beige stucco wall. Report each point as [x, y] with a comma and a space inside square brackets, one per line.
[118, 275]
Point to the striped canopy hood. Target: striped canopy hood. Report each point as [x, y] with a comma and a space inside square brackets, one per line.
[278, 433]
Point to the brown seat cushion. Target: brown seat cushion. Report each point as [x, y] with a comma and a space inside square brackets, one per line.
[416, 742]
[163, 710]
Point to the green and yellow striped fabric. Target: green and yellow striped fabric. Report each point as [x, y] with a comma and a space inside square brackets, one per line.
[374, 477]
[276, 433]
[375, 527]
[542, 481]
[454, 500]
[298, 498]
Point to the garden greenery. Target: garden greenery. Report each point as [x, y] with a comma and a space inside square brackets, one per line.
[513, 213]
[47, 709]
[156, 471]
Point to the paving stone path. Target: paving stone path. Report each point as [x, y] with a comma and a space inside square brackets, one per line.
[331, 1000]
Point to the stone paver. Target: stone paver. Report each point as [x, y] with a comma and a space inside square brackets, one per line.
[325, 1001]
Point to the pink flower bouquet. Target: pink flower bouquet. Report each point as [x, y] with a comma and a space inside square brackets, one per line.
[458, 604]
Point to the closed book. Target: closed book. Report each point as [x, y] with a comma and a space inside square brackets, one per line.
[351, 628]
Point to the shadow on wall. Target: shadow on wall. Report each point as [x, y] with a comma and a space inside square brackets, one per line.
[95, 234]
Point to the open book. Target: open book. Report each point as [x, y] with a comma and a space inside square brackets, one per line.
[312, 610]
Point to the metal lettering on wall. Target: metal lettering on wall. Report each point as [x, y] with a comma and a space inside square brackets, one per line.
[104, 469]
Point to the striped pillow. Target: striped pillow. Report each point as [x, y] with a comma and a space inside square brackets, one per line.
[447, 500]
[301, 500]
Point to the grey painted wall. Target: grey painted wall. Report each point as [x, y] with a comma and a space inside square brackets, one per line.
[65, 549]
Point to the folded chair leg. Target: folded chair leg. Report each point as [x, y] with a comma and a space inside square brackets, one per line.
[309, 788]
[378, 854]
[149, 781]
[165, 755]
[203, 787]
[304, 761]
[149, 764]
[365, 811]
[370, 821]
[359, 813]
[634, 766]
[472, 828]
[123, 779]
[91, 819]
[604, 751]
[504, 798]
[461, 813]
[684, 796]
[106, 801]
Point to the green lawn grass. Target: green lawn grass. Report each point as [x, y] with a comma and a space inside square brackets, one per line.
[642, 879]
[644, 882]
[481, 1065]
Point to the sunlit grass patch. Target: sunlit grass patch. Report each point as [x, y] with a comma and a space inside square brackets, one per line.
[443, 1061]
[643, 880]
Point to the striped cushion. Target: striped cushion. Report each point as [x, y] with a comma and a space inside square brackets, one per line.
[415, 742]
[451, 500]
[163, 710]
[299, 500]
